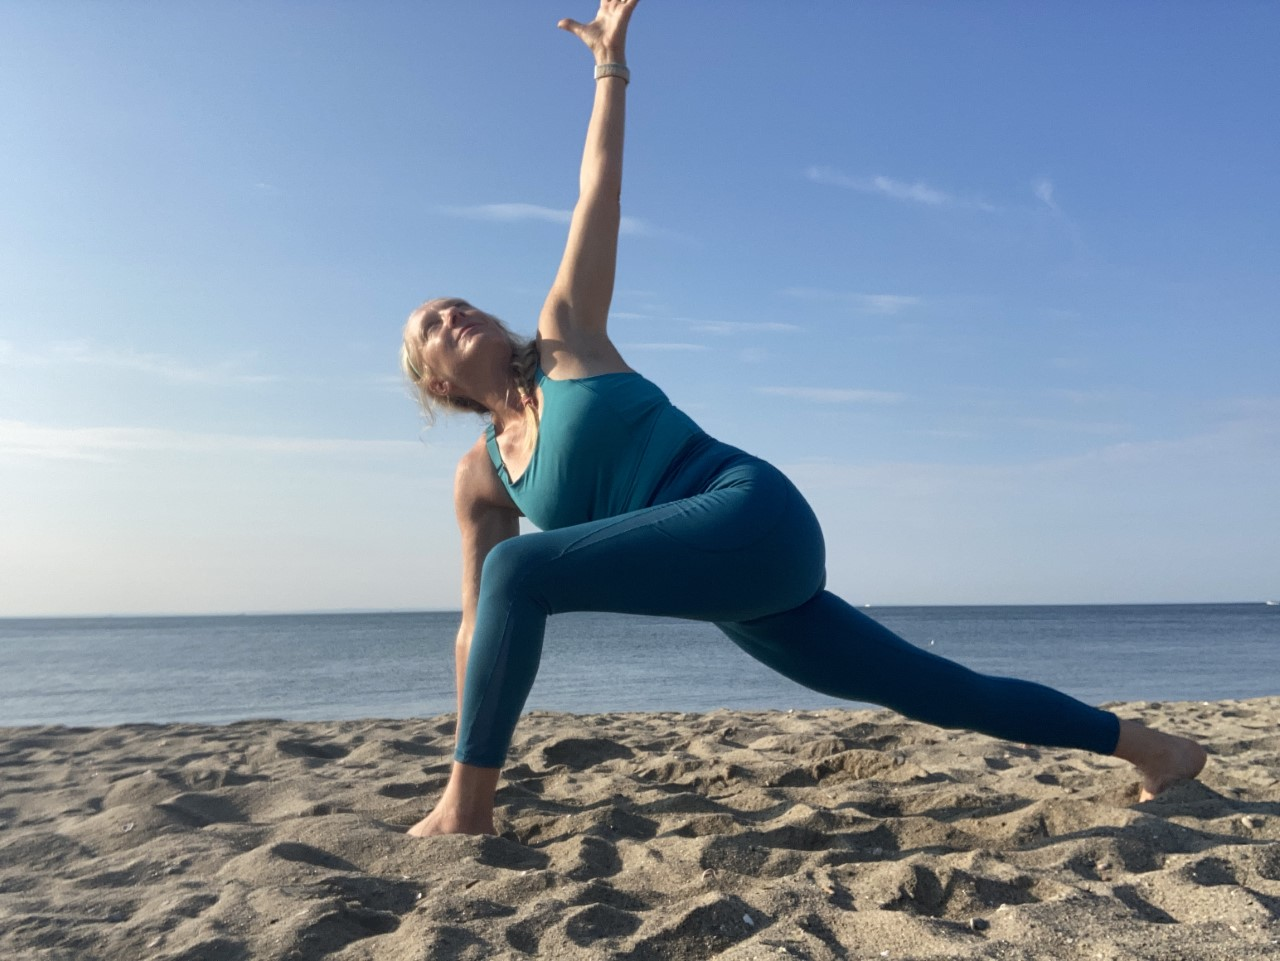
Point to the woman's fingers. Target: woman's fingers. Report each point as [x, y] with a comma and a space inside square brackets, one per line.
[609, 25]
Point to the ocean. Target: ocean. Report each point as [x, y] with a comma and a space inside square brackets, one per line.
[218, 669]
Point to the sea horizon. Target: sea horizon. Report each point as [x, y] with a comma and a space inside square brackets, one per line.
[315, 612]
[338, 665]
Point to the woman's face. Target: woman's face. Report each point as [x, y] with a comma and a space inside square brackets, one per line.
[455, 339]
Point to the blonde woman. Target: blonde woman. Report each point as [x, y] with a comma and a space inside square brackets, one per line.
[642, 512]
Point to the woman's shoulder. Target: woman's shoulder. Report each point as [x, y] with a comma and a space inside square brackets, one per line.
[476, 485]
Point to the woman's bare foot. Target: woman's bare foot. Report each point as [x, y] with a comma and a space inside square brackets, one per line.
[466, 807]
[1162, 759]
[441, 822]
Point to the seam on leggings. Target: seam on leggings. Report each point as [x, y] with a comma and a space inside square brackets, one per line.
[622, 525]
[645, 516]
[499, 672]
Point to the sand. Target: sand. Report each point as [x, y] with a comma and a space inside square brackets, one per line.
[730, 835]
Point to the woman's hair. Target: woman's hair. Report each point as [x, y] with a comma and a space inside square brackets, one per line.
[524, 365]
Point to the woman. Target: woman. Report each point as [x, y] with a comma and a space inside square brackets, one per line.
[641, 512]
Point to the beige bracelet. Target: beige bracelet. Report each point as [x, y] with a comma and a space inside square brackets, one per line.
[613, 70]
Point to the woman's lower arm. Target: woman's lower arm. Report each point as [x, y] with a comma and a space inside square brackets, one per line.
[461, 651]
[602, 154]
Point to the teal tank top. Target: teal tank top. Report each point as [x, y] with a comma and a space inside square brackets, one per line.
[604, 447]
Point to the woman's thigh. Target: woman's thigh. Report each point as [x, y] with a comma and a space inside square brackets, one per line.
[747, 547]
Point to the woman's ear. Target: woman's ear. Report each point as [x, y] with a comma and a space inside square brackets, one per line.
[439, 387]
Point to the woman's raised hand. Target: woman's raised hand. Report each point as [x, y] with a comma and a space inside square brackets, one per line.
[606, 35]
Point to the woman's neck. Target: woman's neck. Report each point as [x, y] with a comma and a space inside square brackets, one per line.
[510, 409]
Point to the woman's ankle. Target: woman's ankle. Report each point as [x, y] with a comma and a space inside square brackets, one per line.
[466, 807]
[1162, 759]
[471, 787]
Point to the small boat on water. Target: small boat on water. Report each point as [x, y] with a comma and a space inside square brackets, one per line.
[1272, 603]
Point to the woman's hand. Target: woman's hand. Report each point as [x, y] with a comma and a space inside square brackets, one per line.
[606, 35]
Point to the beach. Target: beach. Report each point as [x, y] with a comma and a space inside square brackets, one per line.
[729, 834]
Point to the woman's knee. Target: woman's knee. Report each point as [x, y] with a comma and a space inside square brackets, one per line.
[514, 566]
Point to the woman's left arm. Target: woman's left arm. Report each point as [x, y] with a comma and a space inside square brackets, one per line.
[576, 311]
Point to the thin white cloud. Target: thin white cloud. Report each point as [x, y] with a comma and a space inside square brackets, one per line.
[635, 227]
[742, 327]
[1260, 410]
[1248, 440]
[887, 304]
[507, 213]
[1073, 426]
[1096, 397]
[834, 395]
[918, 192]
[1044, 192]
[83, 353]
[24, 440]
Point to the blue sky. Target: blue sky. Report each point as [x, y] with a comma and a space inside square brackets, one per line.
[995, 283]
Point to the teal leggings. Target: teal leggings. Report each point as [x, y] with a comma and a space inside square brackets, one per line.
[746, 553]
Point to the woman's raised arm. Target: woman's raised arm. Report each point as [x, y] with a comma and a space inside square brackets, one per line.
[577, 308]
